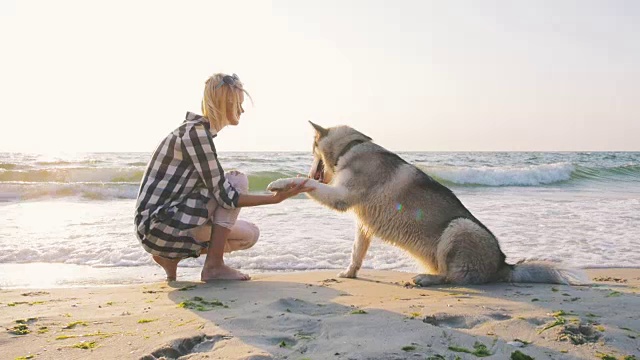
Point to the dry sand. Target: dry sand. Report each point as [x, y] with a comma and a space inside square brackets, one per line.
[314, 315]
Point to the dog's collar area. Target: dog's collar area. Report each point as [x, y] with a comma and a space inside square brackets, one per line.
[347, 148]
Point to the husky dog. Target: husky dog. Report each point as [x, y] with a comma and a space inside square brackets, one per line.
[402, 205]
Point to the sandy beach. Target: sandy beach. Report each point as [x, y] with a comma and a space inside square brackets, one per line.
[315, 315]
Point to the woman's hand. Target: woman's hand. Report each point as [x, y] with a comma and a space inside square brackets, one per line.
[292, 190]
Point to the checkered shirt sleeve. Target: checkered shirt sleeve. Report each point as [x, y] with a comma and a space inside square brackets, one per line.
[198, 144]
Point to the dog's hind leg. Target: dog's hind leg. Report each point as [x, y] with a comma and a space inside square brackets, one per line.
[360, 247]
[428, 280]
[467, 253]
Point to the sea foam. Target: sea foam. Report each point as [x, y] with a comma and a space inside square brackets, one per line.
[530, 175]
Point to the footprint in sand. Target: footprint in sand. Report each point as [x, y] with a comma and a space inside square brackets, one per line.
[536, 321]
[302, 307]
[186, 346]
[462, 321]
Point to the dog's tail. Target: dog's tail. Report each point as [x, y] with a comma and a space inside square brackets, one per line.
[545, 272]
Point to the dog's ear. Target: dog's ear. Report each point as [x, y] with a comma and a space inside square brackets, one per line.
[319, 129]
[365, 136]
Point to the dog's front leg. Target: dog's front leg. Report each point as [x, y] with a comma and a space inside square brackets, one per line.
[360, 247]
[334, 196]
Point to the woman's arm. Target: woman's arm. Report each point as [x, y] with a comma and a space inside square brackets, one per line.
[255, 200]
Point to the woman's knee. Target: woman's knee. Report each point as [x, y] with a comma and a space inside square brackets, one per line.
[239, 180]
[256, 233]
[243, 236]
[247, 233]
[253, 238]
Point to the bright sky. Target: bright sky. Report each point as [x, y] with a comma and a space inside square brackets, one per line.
[414, 75]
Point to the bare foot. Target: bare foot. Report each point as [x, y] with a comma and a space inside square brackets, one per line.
[170, 266]
[222, 272]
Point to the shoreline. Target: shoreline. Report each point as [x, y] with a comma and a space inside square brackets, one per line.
[60, 276]
[315, 315]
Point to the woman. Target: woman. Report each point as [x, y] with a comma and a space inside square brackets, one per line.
[186, 204]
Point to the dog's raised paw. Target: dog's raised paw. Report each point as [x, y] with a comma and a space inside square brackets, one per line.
[278, 185]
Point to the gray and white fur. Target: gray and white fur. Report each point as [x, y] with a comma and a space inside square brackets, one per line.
[402, 205]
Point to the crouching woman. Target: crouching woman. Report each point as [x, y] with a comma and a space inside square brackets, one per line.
[187, 205]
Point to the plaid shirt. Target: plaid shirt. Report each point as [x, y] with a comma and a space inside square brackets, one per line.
[182, 177]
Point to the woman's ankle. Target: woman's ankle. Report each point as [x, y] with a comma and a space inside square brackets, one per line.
[170, 266]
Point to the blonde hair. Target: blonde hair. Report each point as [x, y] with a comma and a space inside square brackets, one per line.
[217, 99]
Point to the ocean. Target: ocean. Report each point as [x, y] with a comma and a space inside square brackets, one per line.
[67, 219]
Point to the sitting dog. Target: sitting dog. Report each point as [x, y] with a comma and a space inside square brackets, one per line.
[402, 205]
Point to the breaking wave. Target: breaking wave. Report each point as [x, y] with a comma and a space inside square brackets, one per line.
[531, 175]
[118, 176]
[93, 184]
